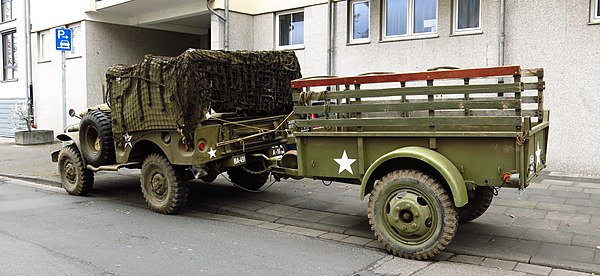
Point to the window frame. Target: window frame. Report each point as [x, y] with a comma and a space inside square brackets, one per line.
[277, 30]
[595, 12]
[351, 38]
[456, 30]
[410, 18]
[12, 17]
[74, 36]
[42, 46]
[5, 66]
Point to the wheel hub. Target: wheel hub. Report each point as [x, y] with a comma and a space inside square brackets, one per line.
[70, 172]
[159, 185]
[409, 214]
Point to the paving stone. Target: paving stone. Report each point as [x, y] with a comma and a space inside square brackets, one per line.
[591, 191]
[536, 223]
[473, 239]
[530, 213]
[570, 195]
[279, 210]
[587, 185]
[311, 232]
[557, 182]
[583, 202]
[595, 197]
[565, 188]
[566, 252]
[501, 264]
[252, 205]
[500, 230]
[514, 203]
[310, 215]
[290, 229]
[568, 218]
[399, 266]
[495, 209]
[451, 268]
[270, 225]
[343, 220]
[556, 207]
[512, 246]
[587, 210]
[540, 186]
[442, 256]
[562, 174]
[357, 240]
[333, 236]
[533, 269]
[538, 191]
[586, 241]
[584, 229]
[548, 236]
[467, 259]
[512, 194]
[361, 230]
[562, 272]
[547, 199]
[497, 219]
[313, 225]
[565, 264]
[377, 244]
[234, 211]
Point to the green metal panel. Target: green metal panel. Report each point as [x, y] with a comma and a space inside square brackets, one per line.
[450, 173]
[412, 121]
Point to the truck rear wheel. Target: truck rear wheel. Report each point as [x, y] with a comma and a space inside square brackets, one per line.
[75, 178]
[477, 205]
[251, 176]
[95, 133]
[164, 186]
[412, 214]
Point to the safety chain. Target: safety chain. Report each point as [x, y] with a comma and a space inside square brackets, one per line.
[258, 172]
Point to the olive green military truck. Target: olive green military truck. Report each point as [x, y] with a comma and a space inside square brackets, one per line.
[430, 148]
[191, 116]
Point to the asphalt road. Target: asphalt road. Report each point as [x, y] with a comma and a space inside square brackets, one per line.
[49, 233]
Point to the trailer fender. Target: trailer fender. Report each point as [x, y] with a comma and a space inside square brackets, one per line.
[436, 160]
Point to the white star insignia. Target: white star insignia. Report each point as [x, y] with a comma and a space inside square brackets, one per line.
[538, 155]
[345, 163]
[212, 153]
[127, 138]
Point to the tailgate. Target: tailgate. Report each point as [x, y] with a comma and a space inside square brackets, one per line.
[535, 150]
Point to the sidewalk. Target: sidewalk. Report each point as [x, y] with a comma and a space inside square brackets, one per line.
[553, 228]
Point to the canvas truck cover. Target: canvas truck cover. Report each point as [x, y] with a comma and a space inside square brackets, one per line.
[176, 92]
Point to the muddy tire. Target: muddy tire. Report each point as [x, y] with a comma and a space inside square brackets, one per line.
[75, 178]
[411, 214]
[478, 204]
[245, 176]
[95, 133]
[164, 186]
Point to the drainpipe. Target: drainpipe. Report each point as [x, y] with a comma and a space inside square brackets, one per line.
[329, 37]
[502, 32]
[225, 19]
[28, 65]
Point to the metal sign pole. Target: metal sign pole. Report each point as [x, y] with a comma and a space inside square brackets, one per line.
[64, 87]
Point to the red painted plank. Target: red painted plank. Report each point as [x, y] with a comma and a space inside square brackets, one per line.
[404, 77]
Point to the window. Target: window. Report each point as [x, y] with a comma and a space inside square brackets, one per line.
[595, 11]
[6, 10]
[45, 46]
[290, 30]
[76, 40]
[9, 55]
[409, 17]
[467, 15]
[359, 16]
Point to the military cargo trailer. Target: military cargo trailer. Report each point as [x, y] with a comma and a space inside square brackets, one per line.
[430, 148]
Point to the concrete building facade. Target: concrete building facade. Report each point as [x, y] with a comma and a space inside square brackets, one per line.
[364, 36]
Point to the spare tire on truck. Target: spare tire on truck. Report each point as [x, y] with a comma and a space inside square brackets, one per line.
[96, 136]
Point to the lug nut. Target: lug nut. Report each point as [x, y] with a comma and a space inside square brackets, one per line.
[414, 225]
[397, 209]
[407, 206]
[396, 219]
[416, 214]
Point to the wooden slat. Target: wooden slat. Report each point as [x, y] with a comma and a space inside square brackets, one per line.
[412, 91]
[404, 77]
[534, 85]
[422, 121]
[533, 72]
[500, 103]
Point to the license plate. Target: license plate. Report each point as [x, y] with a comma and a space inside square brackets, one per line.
[239, 159]
[277, 151]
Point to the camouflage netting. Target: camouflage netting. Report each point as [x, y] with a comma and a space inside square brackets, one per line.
[176, 92]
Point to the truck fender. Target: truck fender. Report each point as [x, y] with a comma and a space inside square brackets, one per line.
[436, 160]
[66, 137]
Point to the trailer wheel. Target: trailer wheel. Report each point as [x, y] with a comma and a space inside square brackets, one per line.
[97, 144]
[251, 176]
[164, 186]
[412, 214]
[478, 204]
[75, 178]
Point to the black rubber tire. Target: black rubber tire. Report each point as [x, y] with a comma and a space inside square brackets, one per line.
[96, 136]
[479, 201]
[76, 179]
[250, 181]
[411, 214]
[164, 186]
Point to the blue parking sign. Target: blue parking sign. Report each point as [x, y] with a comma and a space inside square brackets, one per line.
[63, 39]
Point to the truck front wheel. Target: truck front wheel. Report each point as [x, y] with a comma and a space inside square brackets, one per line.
[479, 201]
[164, 186]
[412, 214]
[75, 178]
